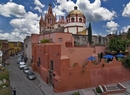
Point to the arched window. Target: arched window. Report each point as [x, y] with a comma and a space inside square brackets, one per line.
[80, 19]
[72, 19]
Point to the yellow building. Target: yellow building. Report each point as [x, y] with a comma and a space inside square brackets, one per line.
[15, 47]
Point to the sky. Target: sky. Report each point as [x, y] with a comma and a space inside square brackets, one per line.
[20, 18]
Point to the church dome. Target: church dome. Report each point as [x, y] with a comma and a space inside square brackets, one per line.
[76, 11]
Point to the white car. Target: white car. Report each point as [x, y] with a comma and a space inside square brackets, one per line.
[22, 66]
[21, 63]
[26, 70]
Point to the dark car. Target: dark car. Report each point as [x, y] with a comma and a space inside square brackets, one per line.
[26, 70]
[30, 75]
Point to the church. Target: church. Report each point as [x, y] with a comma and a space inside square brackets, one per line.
[63, 56]
[74, 22]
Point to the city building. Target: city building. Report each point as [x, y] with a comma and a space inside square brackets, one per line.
[15, 47]
[5, 48]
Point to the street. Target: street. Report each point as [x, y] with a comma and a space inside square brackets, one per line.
[18, 79]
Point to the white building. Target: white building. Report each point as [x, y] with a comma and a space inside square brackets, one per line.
[76, 22]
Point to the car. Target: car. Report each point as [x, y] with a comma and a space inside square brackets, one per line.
[22, 63]
[19, 60]
[30, 75]
[26, 70]
[22, 66]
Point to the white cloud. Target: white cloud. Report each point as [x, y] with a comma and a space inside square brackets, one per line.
[126, 11]
[23, 27]
[26, 25]
[93, 11]
[11, 8]
[104, 0]
[125, 29]
[112, 27]
[38, 6]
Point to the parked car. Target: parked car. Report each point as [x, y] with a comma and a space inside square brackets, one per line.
[26, 70]
[22, 66]
[22, 63]
[19, 60]
[30, 75]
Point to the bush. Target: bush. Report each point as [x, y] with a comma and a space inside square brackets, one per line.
[5, 91]
[4, 75]
[126, 62]
[45, 41]
[5, 84]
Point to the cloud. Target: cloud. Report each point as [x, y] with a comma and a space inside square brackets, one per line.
[104, 0]
[125, 29]
[112, 27]
[25, 26]
[126, 11]
[93, 11]
[63, 5]
[11, 8]
[38, 5]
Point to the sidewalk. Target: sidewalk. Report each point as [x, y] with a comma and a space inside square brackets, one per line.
[48, 90]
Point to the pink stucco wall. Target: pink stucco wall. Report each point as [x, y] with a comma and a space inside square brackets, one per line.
[56, 35]
[91, 75]
[34, 38]
[99, 49]
[63, 59]
[77, 54]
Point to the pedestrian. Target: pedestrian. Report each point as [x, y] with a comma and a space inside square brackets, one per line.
[11, 90]
[14, 91]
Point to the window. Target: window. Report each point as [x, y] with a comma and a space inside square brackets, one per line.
[72, 19]
[99, 39]
[59, 39]
[51, 65]
[80, 19]
[39, 62]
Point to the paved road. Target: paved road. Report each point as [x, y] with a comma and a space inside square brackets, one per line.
[19, 80]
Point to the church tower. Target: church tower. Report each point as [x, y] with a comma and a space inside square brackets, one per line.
[42, 24]
[50, 19]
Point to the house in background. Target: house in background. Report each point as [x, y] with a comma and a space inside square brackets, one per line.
[15, 47]
[5, 48]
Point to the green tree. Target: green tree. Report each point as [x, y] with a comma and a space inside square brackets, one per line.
[90, 34]
[117, 44]
[128, 34]
[126, 62]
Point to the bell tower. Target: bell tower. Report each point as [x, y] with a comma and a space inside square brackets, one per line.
[50, 19]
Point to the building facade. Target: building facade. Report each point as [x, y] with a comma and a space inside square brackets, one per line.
[63, 56]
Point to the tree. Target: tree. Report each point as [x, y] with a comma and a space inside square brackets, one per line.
[90, 34]
[126, 62]
[117, 44]
[128, 34]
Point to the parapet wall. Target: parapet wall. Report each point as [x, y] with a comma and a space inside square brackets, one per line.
[91, 75]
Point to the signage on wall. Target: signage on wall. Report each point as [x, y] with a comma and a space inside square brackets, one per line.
[71, 50]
